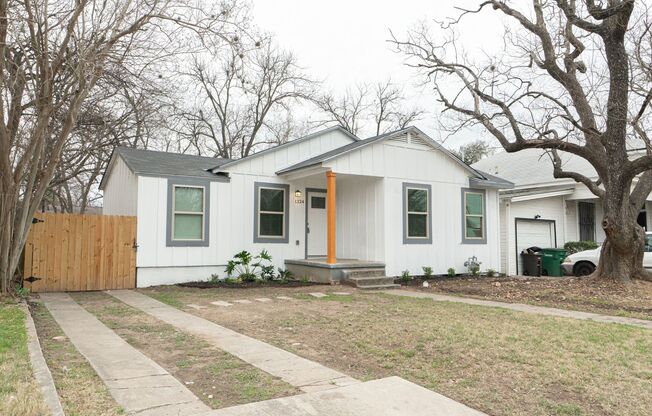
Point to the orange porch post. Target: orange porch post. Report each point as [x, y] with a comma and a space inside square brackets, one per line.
[330, 218]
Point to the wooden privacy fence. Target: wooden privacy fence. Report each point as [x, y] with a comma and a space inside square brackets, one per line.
[72, 252]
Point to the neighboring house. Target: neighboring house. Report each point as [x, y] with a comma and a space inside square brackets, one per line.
[401, 202]
[541, 210]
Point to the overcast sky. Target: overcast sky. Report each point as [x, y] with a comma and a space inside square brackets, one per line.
[343, 42]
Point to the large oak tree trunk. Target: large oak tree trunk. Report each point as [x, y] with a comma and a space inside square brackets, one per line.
[621, 257]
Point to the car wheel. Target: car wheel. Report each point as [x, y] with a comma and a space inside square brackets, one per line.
[584, 269]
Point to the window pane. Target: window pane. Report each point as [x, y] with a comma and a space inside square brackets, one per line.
[417, 225]
[417, 200]
[188, 199]
[318, 202]
[271, 225]
[474, 227]
[271, 200]
[187, 227]
[474, 204]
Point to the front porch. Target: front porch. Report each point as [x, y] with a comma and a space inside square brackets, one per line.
[343, 228]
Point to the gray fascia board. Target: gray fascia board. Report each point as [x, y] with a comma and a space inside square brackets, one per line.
[488, 183]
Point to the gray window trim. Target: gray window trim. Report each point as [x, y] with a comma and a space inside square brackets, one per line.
[416, 240]
[482, 240]
[286, 212]
[169, 241]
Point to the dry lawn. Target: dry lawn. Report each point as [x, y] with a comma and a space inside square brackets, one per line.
[633, 300]
[495, 360]
[216, 377]
[19, 392]
[81, 391]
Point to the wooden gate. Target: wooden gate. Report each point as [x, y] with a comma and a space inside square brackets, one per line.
[72, 252]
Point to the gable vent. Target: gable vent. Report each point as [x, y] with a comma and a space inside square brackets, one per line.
[400, 139]
[420, 141]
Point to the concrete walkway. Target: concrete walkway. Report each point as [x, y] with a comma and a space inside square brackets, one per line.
[391, 396]
[520, 307]
[137, 383]
[307, 375]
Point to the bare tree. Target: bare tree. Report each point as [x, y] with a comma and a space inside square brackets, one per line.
[473, 152]
[388, 108]
[382, 106]
[574, 77]
[347, 111]
[123, 109]
[238, 94]
[52, 55]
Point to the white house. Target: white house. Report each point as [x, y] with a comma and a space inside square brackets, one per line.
[541, 210]
[323, 206]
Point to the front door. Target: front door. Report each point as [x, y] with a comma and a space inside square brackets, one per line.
[316, 224]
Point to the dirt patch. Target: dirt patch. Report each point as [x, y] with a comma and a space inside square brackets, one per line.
[216, 377]
[498, 361]
[81, 391]
[610, 298]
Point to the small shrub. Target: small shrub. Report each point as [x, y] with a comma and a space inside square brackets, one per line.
[491, 273]
[284, 274]
[215, 278]
[304, 279]
[573, 247]
[22, 292]
[405, 276]
[249, 268]
[427, 272]
[473, 266]
[451, 272]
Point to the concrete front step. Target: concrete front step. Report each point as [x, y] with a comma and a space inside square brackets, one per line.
[370, 272]
[373, 281]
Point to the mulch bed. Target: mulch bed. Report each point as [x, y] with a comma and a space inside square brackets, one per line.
[244, 285]
[634, 299]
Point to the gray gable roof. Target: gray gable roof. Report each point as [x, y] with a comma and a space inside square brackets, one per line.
[155, 163]
[532, 167]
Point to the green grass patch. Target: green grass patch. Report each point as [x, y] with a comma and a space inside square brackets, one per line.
[19, 392]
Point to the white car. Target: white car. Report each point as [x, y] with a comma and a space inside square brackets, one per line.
[584, 263]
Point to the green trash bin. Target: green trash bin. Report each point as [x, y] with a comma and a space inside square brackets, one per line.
[551, 260]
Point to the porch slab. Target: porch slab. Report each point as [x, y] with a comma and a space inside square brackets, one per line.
[318, 270]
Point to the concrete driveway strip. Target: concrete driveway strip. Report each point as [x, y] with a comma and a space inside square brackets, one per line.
[137, 383]
[521, 307]
[391, 396]
[307, 375]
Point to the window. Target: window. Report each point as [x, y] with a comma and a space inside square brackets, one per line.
[271, 218]
[473, 217]
[318, 202]
[187, 212]
[417, 221]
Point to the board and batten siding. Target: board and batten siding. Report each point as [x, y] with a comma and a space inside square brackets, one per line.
[268, 163]
[120, 194]
[397, 161]
[360, 219]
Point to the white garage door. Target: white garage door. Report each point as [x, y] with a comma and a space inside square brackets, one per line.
[530, 233]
